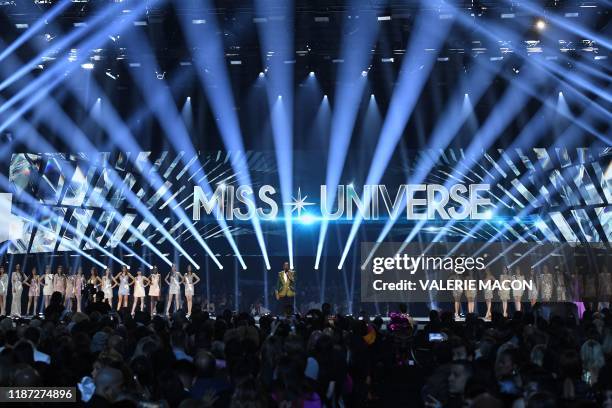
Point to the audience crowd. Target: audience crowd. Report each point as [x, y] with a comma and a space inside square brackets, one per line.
[313, 360]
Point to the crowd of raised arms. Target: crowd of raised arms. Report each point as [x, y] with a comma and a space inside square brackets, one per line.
[77, 289]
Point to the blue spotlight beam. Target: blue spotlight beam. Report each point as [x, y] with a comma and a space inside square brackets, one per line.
[457, 111]
[35, 142]
[47, 212]
[91, 43]
[161, 103]
[568, 139]
[111, 12]
[429, 33]
[216, 85]
[61, 119]
[564, 23]
[22, 214]
[349, 92]
[276, 37]
[50, 15]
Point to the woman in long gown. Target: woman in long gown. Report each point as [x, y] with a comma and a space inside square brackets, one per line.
[69, 291]
[17, 285]
[59, 281]
[33, 292]
[3, 290]
[79, 285]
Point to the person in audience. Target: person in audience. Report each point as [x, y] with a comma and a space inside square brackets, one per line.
[3, 290]
[16, 291]
[190, 279]
[313, 360]
[154, 288]
[124, 280]
[33, 283]
[47, 286]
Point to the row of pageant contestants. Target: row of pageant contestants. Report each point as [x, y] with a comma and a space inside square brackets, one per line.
[74, 286]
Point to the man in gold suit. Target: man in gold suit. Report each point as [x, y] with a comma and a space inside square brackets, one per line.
[285, 288]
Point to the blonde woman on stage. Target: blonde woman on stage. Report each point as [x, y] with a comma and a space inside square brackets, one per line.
[154, 288]
[33, 282]
[47, 279]
[140, 282]
[108, 283]
[4, 284]
[124, 279]
[190, 280]
[17, 290]
[174, 280]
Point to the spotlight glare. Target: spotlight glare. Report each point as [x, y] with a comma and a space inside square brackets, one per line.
[312, 74]
[364, 73]
[307, 219]
[540, 25]
[261, 74]
[87, 65]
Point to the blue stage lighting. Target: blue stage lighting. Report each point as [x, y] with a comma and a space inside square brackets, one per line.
[413, 75]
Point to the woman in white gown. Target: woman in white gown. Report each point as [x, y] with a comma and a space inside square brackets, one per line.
[174, 280]
[190, 279]
[3, 290]
[79, 285]
[47, 287]
[140, 282]
[124, 279]
[17, 284]
[154, 288]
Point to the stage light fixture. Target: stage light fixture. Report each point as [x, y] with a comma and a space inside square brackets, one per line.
[87, 65]
[540, 25]
[261, 74]
[311, 74]
[364, 73]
